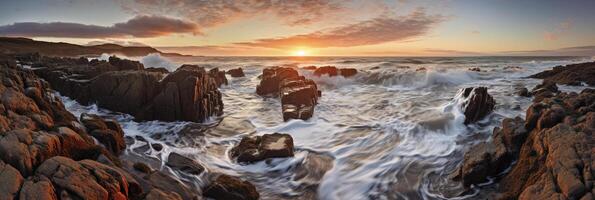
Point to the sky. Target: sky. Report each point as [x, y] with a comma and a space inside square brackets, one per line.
[313, 27]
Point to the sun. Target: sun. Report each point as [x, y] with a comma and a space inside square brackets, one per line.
[300, 53]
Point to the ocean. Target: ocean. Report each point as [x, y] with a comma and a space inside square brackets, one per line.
[393, 131]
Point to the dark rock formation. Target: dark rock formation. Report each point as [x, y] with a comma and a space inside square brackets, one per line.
[574, 74]
[190, 93]
[107, 132]
[544, 90]
[333, 71]
[478, 104]
[184, 164]
[254, 149]
[298, 94]
[225, 187]
[553, 149]
[474, 69]
[523, 92]
[238, 72]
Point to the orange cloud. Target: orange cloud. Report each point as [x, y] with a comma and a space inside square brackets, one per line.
[375, 31]
[213, 13]
[140, 26]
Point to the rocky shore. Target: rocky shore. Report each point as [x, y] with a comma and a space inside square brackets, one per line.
[48, 153]
[547, 155]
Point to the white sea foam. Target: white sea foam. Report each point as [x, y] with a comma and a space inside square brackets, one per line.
[157, 61]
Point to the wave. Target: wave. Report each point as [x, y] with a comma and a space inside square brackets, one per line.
[155, 60]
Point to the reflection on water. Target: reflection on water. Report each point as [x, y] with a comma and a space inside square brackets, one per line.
[390, 132]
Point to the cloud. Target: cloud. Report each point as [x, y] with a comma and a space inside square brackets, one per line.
[140, 26]
[568, 51]
[375, 31]
[213, 13]
[558, 31]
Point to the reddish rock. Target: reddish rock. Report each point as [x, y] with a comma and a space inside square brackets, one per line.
[348, 72]
[238, 72]
[225, 187]
[10, 181]
[311, 68]
[219, 76]
[107, 132]
[254, 149]
[184, 164]
[271, 80]
[326, 70]
[478, 104]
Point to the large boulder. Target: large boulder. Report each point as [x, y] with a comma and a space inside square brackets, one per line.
[478, 103]
[10, 181]
[333, 71]
[254, 149]
[184, 164]
[225, 187]
[237, 72]
[298, 94]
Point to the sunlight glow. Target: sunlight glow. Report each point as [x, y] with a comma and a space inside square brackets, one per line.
[300, 52]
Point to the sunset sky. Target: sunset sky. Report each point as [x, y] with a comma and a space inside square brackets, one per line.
[313, 27]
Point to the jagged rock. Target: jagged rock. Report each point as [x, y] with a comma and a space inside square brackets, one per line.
[26, 149]
[184, 164]
[238, 72]
[474, 69]
[544, 90]
[219, 76]
[10, 181]
[38, 187]
[142, 167]
[298, 94]
[108, 132]
[311, 68]
[254, 149]
[190, 93]
[553, 150]
[574, 74]
[85, 179]
[326, 70]
[348, 72]
[225, 187]
[479, 103]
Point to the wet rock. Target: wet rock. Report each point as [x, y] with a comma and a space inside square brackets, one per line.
[474, 69]
[124, 64]
[523, 92]
[512, 134]
[84, 179]
[225, 187]
[298, 94]
[326, 70]
[107, 132]
[483, 160]
[238, 72]
[574, 74]
[311, 68]
[184, 164]
[38, 187]
[544, 90]
[10, 181]
[219, 76]
[157, 146]
[165, 182]
[254, 149]
[142, 167]
[158, 70]
[479, 103]
[26, 149]
[348, 72]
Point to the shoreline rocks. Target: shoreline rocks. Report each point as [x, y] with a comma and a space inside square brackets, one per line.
[189, 94]
[224, 187]
[332, 71]
[552, 148]
[238, 72]
[574, 74]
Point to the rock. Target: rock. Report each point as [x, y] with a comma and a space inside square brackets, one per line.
[479, 103]
[298, 94]
[123, 64]
[326, 70]
[164, 182]
[84, 179]
[254, 149]
[238, 72]
[574, 74]
[474, 69]
[158, 70]
[38, 187]
[219, 76]
[512, 133]
[157, 146]
[108, 132]
[10, 181]
[25, 149]
[483, 160]
[544, 90]
[184, 164]
[348, 72]
[142, 167]
[227, 187]
[311, 68]
[523, 92]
